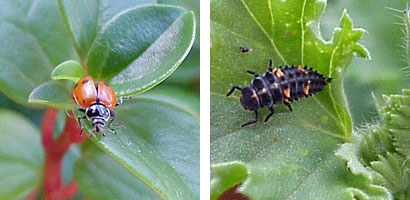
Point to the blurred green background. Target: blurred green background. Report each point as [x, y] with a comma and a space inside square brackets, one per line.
[384, 73]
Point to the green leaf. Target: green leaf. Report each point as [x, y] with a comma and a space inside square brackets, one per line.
[364, 189]
[20, 155]
[158, 143]
[160, 49]
[52, 94]
[70, 69]
[396, 115]
[35, 115]
[100, 171]
[29, 48]
[384, 74]
[392, 169]
[185, 99]
[72, 155]
[293, 152]
[227, 175]
[190, 5]
[141, 46]
[380, 155]
[84, 20]
[187, 73]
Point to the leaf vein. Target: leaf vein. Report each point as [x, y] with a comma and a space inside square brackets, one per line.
[271, 16]
[331, 114]
[330, 86]
[302, 25]
[237, 34]
[264, 31]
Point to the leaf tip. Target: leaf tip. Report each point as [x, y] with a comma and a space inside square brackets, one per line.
[227, 175]
[68, 70]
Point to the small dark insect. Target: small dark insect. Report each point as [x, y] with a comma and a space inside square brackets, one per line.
[244, 49]
[279, 86]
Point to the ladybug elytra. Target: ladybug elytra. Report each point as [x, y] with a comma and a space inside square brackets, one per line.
[96, 100]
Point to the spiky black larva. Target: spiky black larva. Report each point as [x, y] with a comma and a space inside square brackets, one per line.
[279, 86]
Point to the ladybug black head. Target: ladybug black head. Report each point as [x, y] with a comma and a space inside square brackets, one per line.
[98, 114]
[249, 98]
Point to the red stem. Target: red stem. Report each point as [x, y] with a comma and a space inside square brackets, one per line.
[32, 195]
[47, 128]
[233, 194]
[67, 191]
[84, 67]
[54, 153]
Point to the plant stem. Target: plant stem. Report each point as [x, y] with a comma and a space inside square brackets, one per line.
[47, 128]
[233, 194]
[54, 154]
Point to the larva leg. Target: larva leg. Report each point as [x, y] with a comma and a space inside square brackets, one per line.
[232, 89]
[270, 113]
[289, 106]
[252, 73]
[251, 121]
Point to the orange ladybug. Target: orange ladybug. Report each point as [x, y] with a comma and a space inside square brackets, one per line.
[96, 99]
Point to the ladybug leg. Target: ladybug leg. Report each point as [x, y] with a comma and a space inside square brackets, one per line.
[67, 112]
[252, 73]
[113, 117]
[251, 121]
[270, 114]
[81, 117]
[232, 89]
[121, 100]
[289, 106]
[81, 110]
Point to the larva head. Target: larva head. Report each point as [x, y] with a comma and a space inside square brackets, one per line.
[249, 99]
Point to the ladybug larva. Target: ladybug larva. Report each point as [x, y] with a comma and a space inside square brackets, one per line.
[279, 86]
[97, 100]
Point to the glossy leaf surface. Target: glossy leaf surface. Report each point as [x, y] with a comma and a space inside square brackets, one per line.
[85, 19]
[136, 62]
[52, 94]
[29, 50]
[188, 73]
[101, 171]
[158, 143]
[142, 46]
[70, 69]
[21, 156]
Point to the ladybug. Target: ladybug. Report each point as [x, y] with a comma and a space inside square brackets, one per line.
[279, 86]
[96, 100]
